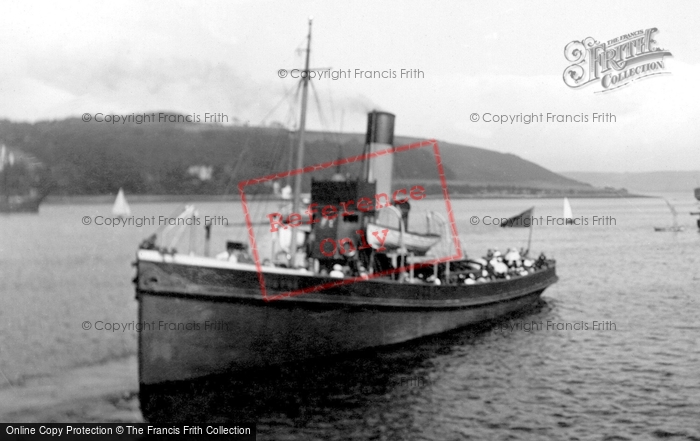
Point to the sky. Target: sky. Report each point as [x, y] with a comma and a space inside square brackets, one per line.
[64, 59]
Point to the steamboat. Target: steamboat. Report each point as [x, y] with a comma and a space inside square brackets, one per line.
[356, 295]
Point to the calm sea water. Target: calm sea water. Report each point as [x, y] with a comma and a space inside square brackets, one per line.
[546, 374]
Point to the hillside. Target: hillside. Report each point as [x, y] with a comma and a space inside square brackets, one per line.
[188, 158]
[660, 181]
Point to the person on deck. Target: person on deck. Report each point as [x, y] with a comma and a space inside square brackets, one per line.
[337, 271]
[512, 258]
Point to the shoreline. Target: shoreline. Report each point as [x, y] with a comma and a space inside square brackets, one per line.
[136, 199]
[148, 199]
[101, 393]
[547, 196]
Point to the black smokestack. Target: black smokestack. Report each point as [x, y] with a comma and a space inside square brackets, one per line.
[380, 128]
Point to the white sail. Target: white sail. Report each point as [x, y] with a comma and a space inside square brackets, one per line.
[567, 209]
[121, 207]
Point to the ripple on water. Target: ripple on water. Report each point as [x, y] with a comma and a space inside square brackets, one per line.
[638, 381]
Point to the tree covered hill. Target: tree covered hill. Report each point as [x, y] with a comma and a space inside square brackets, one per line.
[90, 158]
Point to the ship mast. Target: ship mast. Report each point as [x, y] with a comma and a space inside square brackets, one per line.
[300, 149]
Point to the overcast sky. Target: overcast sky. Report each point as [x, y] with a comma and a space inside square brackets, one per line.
[63, 59]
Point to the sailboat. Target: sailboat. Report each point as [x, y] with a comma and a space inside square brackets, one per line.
[568, 215]
[675, 228]
[121, 207]
[207, 316]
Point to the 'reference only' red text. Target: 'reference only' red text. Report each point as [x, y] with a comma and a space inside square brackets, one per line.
[348, 208]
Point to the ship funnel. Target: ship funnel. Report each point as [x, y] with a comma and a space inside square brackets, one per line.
[380, 127]
[380, 136]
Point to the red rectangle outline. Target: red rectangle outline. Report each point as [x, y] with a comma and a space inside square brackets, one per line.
[338, 162]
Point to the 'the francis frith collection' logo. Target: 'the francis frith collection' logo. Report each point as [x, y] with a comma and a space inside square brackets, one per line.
[614, 63]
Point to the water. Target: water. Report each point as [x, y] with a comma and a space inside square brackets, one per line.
[634, 379]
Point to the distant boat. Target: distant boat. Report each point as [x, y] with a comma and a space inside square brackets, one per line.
[121, 207]
[568, 215]
[20, 204]
[23, 197]
[675, 228]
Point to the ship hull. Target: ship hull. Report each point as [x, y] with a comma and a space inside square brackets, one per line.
[199, 320]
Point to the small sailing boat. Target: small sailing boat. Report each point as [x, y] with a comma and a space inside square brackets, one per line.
[121, 207]
[675, 228]
[568, 215]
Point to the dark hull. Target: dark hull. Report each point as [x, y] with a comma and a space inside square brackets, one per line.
[224, 325]
[671, 229]
[20, 204]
